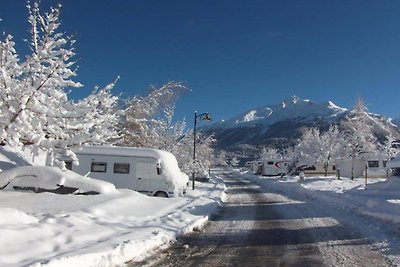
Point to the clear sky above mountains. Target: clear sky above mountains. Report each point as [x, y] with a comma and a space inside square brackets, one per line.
[234, 55]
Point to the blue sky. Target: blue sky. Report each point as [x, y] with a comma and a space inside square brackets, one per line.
[234, 55]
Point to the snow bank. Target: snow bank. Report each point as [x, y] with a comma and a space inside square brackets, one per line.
[97, 230]
[10, 216]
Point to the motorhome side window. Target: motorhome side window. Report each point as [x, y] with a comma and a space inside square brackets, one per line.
[373, 164]
[121, 168]
[98, 167]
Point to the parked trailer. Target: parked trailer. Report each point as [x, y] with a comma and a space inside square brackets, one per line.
[274, 167]
[375, 167]
[256, 167]
[318, 170]
[150, 171]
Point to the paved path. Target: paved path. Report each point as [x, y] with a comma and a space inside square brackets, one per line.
[256, 227]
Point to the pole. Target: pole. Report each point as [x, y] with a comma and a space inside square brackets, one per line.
[209, 162]
[366, 176]
[194, 147]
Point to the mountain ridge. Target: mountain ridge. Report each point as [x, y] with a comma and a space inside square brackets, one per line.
[282, 124]
[288, 109]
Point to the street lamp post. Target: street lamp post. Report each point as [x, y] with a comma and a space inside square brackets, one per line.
[204, 117]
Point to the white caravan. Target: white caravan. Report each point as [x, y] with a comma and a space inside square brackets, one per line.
[375, 167]
[256, 167]
[319, 170]
[149, 171]
[274, 167]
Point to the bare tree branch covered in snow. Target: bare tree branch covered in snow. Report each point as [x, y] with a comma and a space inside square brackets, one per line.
[358, 133]
[234, 162]
[148, 117]
[220, 159]
[34, 105]
[270, 153]
[319, 148]
[309, 149]
[149, 123]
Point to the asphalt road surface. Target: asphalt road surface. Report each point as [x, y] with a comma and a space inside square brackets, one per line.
[255, 227]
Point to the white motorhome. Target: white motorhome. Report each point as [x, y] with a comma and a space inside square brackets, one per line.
[274, 167]
[374, 166]
[149, 171]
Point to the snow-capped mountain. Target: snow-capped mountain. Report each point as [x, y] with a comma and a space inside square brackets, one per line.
[290, 109]
[282, 124]
[396, 122]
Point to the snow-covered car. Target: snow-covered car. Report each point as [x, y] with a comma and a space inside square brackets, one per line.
[51, 179]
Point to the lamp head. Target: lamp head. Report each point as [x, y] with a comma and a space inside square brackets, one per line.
[207, 117]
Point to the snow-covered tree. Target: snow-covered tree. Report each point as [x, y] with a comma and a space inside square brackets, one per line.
[234, 162]
[358, 132]
[390, 148]
[270, 153]
[309, 149]
[330, 147]
[149, 123]
[34, 105]
[220, 159]
[148, 117]
[204, 151]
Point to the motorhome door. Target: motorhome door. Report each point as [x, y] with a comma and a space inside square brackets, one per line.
[146, 175]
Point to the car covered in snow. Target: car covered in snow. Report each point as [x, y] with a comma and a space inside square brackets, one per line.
[51, 179]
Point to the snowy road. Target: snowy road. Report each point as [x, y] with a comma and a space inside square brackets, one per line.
[257, 227]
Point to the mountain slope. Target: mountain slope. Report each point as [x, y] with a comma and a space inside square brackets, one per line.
[281, 125]
[290, 109]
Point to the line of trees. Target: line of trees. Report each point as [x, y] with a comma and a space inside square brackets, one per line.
[36, 112]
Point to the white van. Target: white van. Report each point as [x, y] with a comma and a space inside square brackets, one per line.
[150, 171]
[274, 167]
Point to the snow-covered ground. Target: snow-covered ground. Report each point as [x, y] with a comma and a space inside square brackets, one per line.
[47, 229]
[107, 229]
[375, 211]
[114, 227]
